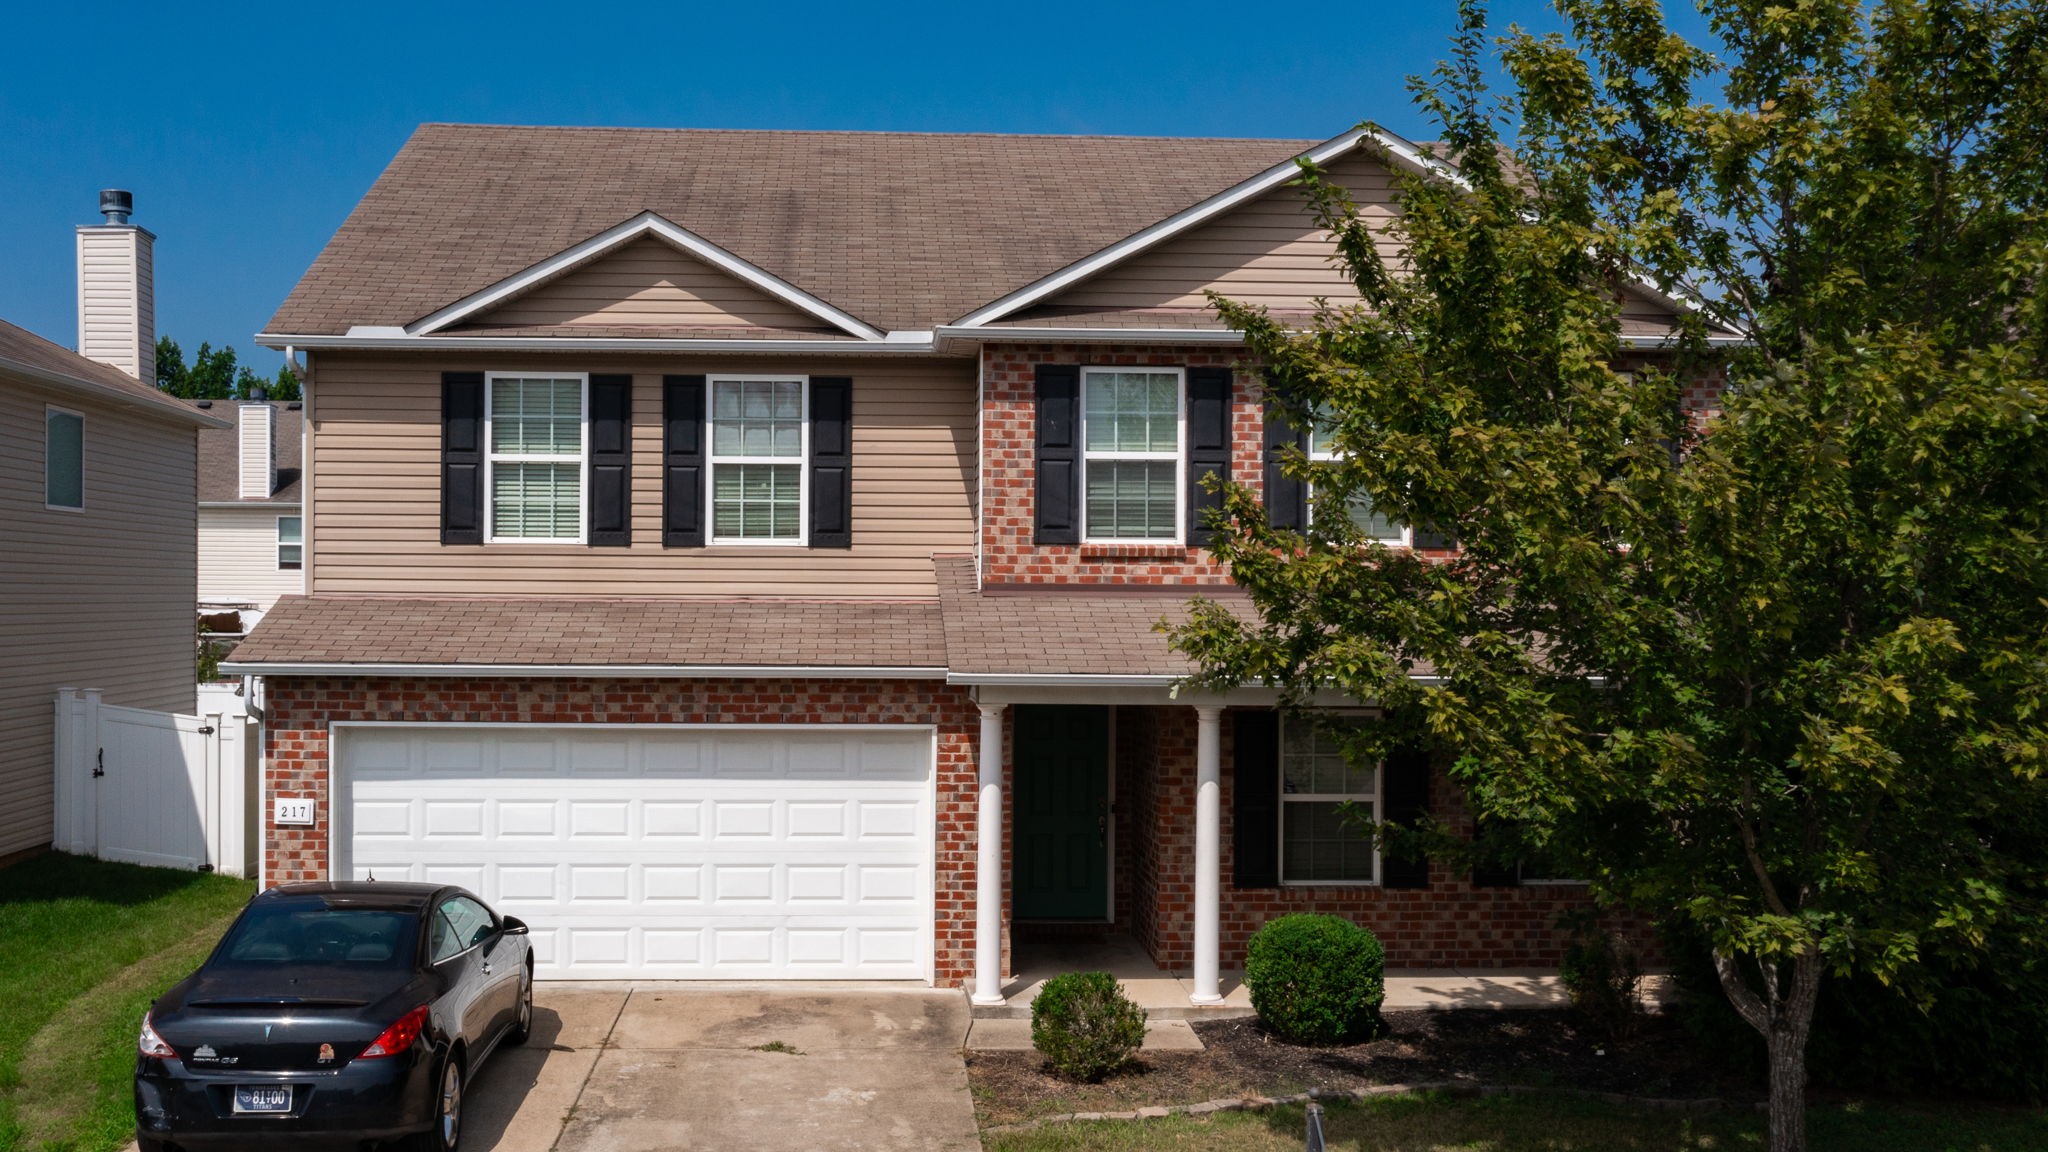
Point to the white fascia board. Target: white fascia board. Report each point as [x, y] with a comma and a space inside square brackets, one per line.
[253, 505]
[1054, 679]
[600, 671]
[646, 223]
[404, 343]
[1671, 342]
[1406, 153]
[948, 333]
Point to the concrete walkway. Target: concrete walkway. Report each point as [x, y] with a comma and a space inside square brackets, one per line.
[632, 1068]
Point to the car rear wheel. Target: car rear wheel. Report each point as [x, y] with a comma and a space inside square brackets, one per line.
[447, 1130]
[523, 1028]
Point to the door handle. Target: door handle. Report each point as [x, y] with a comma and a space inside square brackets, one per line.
[487, 967]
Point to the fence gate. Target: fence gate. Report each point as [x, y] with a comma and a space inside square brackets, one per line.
[151, 787]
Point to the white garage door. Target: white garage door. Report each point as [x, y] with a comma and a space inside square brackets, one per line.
[637, 851]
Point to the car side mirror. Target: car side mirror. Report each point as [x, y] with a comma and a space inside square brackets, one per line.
[512, 926]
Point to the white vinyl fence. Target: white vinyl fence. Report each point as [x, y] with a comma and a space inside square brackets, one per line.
[157, 787]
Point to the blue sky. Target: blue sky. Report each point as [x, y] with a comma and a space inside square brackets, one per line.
[247, 132]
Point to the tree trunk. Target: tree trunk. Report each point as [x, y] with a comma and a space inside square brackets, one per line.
[1785, 1018]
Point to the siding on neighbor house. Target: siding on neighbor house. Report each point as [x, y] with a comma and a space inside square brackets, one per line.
[1268, 252]
[117, 298]
[376, 443]
[101, 598]
[238, 556]
[649, 282]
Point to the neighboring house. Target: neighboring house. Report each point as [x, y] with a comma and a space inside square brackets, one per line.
[738, 554]
[97, 522]
[251, 543]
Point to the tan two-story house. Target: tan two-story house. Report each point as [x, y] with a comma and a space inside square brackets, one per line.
[738, 555]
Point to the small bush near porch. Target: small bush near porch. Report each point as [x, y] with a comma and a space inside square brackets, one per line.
[1431, 1122]
[85, 945]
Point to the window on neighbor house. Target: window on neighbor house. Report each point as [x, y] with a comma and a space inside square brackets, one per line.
[759, 442]
[1359, 507]
[291, 546]
[63, 459]
[1131, 437]
[535, 458]
[1317, 844]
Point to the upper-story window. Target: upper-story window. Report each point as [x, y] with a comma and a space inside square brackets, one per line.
[291, 544]
[759, 443]
[1359, 507]
[1132, 423]
[535, 460]
[63, 459]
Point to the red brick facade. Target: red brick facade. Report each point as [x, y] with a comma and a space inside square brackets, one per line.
[300, 709]
[1008, 408]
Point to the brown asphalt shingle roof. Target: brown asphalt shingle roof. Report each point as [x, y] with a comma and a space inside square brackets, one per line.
[902, 230]
[1066, 629]
[23, 347]
[634, 633]
[220, 459]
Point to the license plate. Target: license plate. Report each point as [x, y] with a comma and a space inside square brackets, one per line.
[263, 1098]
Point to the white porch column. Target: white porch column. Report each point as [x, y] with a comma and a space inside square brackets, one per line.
[1208, 853]
[988, 863]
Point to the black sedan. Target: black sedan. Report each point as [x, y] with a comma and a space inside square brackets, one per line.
[334, 1014]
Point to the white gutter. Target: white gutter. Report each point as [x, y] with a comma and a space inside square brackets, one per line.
[248, 503]
[167, 406]
[602, 671]
[396, 340]
[1229, 336]
[1055, 679]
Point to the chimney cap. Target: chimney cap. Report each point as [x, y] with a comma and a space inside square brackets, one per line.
[116, 204]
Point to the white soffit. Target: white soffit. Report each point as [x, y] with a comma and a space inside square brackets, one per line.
[645, 224]
[1403, 152]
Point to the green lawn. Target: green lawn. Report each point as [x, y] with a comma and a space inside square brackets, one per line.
[84, 947]
[1437, 1123]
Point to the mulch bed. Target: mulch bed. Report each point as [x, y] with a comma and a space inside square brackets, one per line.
[1465, 1046]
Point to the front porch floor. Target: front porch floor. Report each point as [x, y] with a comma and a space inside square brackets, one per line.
[1163, 993]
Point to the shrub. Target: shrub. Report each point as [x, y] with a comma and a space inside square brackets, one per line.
[1316, 979]
[1084, 1025]
[1602, 975]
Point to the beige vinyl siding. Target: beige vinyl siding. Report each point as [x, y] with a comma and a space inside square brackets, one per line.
[1268, 252]
[256, 452]
[238, 556]
[100, 598]
[376, 443]
[116, 299]
[649, 282]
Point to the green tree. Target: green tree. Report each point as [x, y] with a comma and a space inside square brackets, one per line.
[215, 375]
[1775, 669]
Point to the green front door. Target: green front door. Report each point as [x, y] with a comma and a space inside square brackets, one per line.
[1062, 796]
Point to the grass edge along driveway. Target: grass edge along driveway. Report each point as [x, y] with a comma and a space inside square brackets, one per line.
[1435, 1122]
[85, 945]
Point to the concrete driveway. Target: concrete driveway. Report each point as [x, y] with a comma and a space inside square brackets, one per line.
[622, 1068]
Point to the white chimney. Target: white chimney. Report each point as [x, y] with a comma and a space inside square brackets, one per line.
[117, 290]
[258, 451]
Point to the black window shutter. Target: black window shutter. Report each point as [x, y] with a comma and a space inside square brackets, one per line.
[1404, 786]
[1208, 445]
[462, 457]
[1255, 801]
[611, 461]
[831, 462]
[1286, 496]
[682, 461]
[1057, 492]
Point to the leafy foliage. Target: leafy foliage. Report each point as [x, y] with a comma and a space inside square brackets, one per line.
[1084, 1025]
[1777, 667]
[1316, 979]
[1602, 974]
[214, 375]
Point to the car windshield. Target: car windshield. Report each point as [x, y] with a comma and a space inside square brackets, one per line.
[286, 933]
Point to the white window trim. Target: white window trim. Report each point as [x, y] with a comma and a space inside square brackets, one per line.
[1379, 807]
[1179, 456]
[1319, 455]
[712, 460]
[79, 507]
[282, 545]
[491, 459]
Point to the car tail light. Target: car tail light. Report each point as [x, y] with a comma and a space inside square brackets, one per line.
[399, 1036]
[150, 1043]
